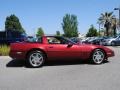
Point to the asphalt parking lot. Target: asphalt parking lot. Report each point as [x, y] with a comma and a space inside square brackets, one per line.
[70, 76]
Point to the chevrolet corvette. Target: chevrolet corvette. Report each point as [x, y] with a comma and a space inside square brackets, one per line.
[47, 48]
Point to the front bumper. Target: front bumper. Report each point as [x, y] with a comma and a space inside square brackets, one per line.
[110, 54]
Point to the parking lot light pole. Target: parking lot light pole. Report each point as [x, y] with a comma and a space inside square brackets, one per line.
[119, 15]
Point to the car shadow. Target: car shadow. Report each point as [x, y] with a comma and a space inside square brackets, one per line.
[62, 63]
[75, 62]
[21, 63]
[16, 63]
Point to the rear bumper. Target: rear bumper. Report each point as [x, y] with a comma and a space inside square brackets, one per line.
[17, 55]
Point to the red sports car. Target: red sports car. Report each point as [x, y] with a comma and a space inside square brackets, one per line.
[39, 50]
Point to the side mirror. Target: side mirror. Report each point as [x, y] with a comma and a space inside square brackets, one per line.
[70, 45]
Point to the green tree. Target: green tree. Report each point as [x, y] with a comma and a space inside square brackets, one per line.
[106, 20]
[70, 25]
[58, 33]
[92, 32]
[12, 23]
[40, 32]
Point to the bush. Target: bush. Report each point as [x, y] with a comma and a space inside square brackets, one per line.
[4, 50]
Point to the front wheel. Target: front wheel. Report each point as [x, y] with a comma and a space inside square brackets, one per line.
[35, 59]
[98, 56]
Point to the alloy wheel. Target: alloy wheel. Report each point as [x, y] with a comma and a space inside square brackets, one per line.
[98, 56]
[36, 59]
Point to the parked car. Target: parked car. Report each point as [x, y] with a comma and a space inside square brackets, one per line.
[48, 48]
[87, 40]
[116, 42]
[7, 37]
[111, 40]
[76, 40]
[97, 41]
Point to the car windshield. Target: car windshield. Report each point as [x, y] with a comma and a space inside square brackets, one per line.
[70, 41]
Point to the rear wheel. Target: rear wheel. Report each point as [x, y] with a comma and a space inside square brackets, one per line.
[98, 56]
[35, 59]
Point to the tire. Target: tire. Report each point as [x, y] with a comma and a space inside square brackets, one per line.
[98, 56]
[35, 59]
[113, 43]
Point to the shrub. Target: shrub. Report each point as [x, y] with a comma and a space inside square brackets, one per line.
[4, 50]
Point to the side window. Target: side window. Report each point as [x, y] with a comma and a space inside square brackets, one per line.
[39, 39]
[53, 40]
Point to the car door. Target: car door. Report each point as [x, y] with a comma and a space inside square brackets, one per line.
[63, 51]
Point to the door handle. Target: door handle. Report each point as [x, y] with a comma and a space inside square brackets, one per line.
[51, 47]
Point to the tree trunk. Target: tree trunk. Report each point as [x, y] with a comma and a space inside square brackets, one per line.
[107, 33]
[114, 32]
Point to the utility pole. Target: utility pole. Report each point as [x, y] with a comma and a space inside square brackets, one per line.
[119, 15]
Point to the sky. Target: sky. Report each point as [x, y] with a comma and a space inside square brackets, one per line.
[49, 14]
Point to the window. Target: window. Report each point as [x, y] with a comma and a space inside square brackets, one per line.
[53, 40]
[58, 40]
[32, 39]
[39, 39]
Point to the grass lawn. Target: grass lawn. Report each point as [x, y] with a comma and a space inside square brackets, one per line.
[4, 50]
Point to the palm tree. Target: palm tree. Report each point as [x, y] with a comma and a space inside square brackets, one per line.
[115, 25]
[106, 20]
